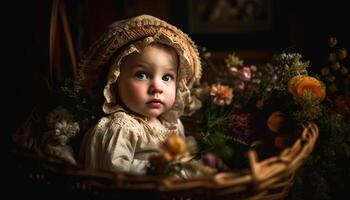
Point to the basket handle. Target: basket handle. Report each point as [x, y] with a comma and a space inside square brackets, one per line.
[58, 8]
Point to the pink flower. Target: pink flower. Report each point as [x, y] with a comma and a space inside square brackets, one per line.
[245, 74]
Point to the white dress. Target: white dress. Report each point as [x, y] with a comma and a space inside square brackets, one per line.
[121, 142]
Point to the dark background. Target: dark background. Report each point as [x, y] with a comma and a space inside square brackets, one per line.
[300, 25]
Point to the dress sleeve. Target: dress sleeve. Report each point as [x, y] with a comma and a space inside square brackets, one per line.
[109, 146]
[121, 149]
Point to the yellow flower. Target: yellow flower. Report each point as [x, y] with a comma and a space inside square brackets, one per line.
[222, 94]
[233, 61]
[342, 53]
[302, 85]
[332, 41]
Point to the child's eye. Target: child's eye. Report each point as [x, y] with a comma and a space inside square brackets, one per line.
[167, 77]
[141, 75]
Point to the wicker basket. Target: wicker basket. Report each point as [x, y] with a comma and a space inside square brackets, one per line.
[270, 178]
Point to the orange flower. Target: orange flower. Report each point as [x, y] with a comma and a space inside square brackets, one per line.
[173, 146]
[222, 94]
[302, 85]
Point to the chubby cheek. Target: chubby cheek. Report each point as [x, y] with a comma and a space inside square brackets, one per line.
[171, 95]
[137, 93]
[129, 93]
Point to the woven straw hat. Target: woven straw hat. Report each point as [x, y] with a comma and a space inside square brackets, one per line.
[125, 37]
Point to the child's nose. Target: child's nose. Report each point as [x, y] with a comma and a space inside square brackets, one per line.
[156, 87]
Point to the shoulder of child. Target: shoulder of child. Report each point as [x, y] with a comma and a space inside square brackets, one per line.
[118, 122]
[122, 119]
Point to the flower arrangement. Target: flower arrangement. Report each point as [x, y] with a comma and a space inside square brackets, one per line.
[263, 107]
[256, 107]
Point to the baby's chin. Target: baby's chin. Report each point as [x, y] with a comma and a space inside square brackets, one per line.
[153, 113]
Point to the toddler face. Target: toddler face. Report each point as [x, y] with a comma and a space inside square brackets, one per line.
[147, 80]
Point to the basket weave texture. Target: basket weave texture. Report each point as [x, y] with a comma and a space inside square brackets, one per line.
[270, 178]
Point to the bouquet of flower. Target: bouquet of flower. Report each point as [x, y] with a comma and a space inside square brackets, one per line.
[256, 107]
[262, 107]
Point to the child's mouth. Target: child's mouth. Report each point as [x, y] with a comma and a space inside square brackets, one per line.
[155, 103]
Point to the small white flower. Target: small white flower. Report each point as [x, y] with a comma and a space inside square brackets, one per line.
[58, 114]
[66, 128]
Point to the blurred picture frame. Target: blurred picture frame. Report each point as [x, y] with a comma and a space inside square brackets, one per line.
[229, 16]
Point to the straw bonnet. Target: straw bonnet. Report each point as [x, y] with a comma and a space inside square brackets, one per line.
[132, 35]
